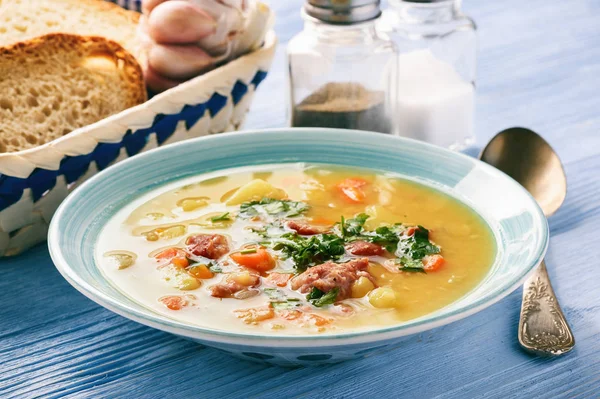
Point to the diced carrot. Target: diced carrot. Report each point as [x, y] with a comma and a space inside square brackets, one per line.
[344, 309]
[170, 253]
[180, 262]
[279, 279]
[433, 263]
[290, 314]
[201, 271]
[316, 320]
[173, 302]
[255, 315]
[353, 182]
[353, 194]
[259, 260]
[303, 318]
[352, 189]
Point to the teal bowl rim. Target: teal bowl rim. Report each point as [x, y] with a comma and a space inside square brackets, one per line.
[148, 317]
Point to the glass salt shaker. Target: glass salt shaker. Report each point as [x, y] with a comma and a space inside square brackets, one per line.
[341, 68]
[437, 48]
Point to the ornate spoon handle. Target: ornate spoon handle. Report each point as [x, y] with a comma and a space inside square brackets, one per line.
[543, 328]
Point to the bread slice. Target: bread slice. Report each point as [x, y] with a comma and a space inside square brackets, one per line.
[56, 83]
[22, 20]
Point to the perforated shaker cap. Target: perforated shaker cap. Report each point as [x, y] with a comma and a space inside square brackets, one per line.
[343, 12]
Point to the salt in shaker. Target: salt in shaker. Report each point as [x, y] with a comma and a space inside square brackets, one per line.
[436, 70]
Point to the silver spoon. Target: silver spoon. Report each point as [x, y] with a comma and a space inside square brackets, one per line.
[529, 159]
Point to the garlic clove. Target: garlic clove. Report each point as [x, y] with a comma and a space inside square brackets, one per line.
[177, 61]
[179, 21]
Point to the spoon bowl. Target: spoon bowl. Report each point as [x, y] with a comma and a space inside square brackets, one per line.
[526, 157]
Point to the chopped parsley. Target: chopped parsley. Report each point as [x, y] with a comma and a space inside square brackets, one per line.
[215, 268]
[261, 231]
[353, 227]
[410, 265]
[248, 251]
[309, 251]
[289, 303]
[417, 246]
[319, 298]
[222, 218]
[273, 207]
[386, 236]
[274, 294]
[413, 269]
[279, 300]
[270, 230]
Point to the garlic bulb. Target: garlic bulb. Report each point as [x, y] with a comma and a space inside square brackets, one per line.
[241, 26]
[180, 39]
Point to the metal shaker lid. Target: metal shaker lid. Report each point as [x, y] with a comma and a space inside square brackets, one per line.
[343, 12]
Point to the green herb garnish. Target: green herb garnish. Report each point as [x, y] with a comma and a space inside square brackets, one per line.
[261, 231]
[290, 303]
[279, 299]
[313, 250]
[310, 251]
[319, 298]
[248, 251]
[222, 218]
[413, 270]
[273, 207]
[270, 230]
[418, 245]
[274, 294]
[215, 268]
[386, 236]
[410, 265]
[353, 227]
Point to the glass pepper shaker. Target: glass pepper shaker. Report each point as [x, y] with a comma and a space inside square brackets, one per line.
[341, 68]
[436, 70]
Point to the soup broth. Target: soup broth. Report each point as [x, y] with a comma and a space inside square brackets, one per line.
[296, 249]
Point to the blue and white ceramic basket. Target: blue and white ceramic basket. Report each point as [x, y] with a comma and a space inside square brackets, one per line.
[33, 182]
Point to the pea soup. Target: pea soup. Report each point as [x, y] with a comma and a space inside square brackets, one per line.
[296, 249]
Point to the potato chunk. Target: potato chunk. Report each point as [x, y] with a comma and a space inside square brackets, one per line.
[384, 297]
[179, 278]
[191, 204]
[255, 191]
[362, 287]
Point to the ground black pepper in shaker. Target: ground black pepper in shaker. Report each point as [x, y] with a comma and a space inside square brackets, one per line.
[340, 69]
[343, 105]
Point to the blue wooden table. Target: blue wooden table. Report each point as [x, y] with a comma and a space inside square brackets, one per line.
[539, 66]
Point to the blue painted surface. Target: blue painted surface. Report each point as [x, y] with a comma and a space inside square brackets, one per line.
[538, 67]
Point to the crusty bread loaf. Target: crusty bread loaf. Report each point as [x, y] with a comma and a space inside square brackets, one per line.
[56, 83]
[25, 19]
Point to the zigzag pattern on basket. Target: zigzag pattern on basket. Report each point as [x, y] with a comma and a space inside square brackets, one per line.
[42, 180]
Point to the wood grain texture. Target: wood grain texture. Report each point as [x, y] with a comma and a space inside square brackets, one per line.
[538, 67]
